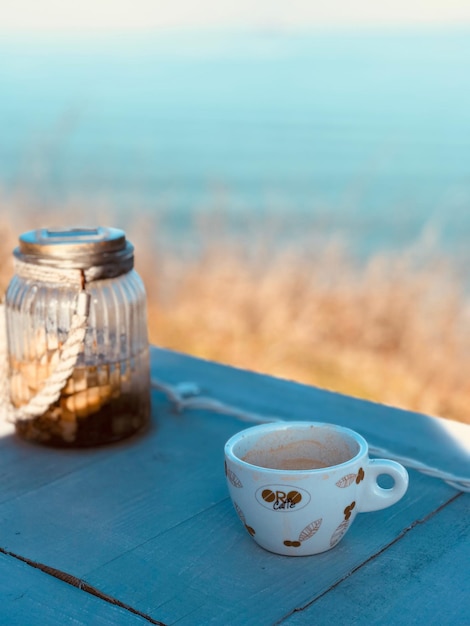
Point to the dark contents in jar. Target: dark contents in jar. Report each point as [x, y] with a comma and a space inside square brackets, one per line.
[118, 418]
[99, 404]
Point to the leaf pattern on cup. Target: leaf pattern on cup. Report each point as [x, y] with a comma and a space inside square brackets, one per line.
[307, 533]
[346, 481]
[233, 478]
[339, 533]
[242, 517]
[240, 513]
[310, 530]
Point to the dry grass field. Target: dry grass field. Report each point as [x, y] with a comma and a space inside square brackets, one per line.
[394, 330]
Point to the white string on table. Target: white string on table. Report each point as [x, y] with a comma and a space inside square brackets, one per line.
[185, 396]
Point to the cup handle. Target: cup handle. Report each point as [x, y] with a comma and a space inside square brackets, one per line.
[375, 497]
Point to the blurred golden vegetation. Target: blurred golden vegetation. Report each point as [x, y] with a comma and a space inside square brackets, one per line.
[393, 330]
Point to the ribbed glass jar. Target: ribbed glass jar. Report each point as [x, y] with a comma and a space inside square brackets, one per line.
[107, 396]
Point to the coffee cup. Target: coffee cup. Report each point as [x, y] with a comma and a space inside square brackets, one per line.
[298, 486]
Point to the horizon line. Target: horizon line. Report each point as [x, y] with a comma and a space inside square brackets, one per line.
[273, 29]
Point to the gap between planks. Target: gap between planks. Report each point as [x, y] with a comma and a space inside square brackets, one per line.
[81, 584]
[404, 532]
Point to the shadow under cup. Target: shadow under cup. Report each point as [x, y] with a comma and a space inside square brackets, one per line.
[298, 486]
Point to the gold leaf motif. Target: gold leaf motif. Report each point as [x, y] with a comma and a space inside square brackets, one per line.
[346, 481]
[339, 533]
[233, 478]
[310, 530]
[240, 513]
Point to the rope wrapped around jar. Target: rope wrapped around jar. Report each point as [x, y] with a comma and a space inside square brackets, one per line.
[67, 354]
[74, 353]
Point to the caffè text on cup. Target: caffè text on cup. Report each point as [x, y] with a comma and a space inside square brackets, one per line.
[283, 498]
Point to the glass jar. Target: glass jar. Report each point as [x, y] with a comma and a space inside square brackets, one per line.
[106, 395]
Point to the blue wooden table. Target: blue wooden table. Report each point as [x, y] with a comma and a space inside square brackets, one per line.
[144, 532]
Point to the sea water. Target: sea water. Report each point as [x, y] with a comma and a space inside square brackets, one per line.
[362, 134]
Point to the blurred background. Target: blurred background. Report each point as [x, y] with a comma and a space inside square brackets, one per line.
[295, 177]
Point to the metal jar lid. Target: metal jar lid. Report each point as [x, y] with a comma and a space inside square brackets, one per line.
[102, 252]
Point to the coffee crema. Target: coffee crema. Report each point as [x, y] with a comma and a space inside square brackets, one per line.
[302, 463]
[277, 460]
[299, 454]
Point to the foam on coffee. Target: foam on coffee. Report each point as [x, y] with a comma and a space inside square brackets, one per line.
[296, 455]
[299, 463]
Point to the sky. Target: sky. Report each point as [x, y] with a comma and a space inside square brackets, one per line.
[131, 15]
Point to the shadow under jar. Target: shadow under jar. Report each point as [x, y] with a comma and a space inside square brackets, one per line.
[107, 395]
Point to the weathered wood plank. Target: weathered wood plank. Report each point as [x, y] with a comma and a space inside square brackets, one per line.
[443, 443]
[29, 596]
[129, 495]
[422, 579]
[406, 433]
[132, 493]
[25, 467]
[149, 522]
[209, 570]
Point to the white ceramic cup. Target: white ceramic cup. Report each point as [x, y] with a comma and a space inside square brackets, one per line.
[297, 486]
